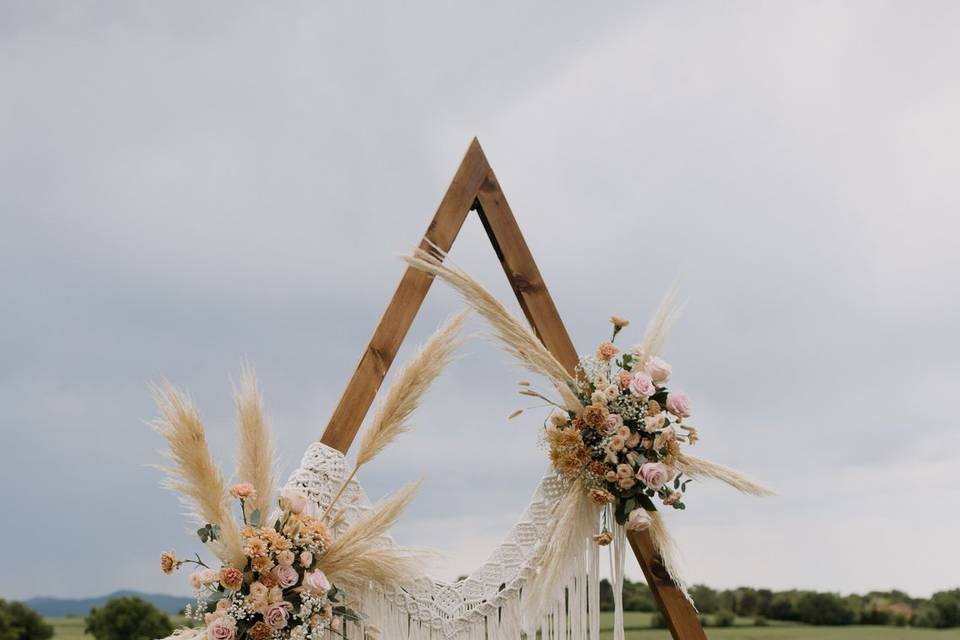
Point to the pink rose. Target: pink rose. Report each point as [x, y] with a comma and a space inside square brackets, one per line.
[295, 500]
[638, 520]
[659, 370]
[286, 575]
[653, 474]
[278, 615]
[642, 385]
[223, 628]
[678, 404]
[316, 583]
[243, 490]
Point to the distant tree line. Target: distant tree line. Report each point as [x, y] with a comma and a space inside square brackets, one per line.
[720, 606]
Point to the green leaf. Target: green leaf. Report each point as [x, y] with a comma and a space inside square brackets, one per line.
[203, 534]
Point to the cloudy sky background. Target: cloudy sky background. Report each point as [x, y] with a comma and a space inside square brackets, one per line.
[183, 185]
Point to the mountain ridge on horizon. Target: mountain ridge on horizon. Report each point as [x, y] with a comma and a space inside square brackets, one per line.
[53, 607]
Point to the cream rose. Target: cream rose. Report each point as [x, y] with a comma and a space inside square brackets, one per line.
[295, 500]
[286, 557]
[659, 370]
[306, 559]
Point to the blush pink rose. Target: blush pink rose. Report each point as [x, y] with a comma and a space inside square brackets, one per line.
[278, 615]
[223, 628]
[296, 500]
[642, 385]
[659, 370]
[653, 474]
[286, 575]
[678, 404]
[316, 582]
[638, 520]
[612, 424]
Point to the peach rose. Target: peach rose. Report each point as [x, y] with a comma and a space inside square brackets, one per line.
[286, 557]
[306, 559]
[606, 351]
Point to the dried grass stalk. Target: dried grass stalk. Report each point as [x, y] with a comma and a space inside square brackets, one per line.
[360, 554]
[659, 327]
[574, 522]
[255, 463]
[700, 468]
[402, 399]
[668, 551]
[193, 473]
[515, 336]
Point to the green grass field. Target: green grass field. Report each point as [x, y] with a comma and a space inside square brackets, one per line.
[638, 629]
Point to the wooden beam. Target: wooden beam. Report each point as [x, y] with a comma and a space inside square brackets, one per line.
[475, 187]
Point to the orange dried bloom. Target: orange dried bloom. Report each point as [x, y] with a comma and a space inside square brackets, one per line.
[168, 561]
[607, 350]
[260, 631]
[231, 578]
[567, 452]
[595, 415]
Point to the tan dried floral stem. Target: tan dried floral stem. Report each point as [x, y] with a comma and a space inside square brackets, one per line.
[700, 468]
[668, 552]
[255, 463]
[360, 555]
[193, 473]
[403, 397]
[658, 328]
[515, 336]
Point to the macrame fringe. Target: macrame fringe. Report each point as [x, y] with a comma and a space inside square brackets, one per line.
[573, 615]
[617, 558]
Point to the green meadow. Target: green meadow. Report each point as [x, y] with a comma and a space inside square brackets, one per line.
[638, 628]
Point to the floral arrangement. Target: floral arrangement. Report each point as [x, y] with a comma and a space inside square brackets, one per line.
[283, 574]
[625, 442]
[279, 592]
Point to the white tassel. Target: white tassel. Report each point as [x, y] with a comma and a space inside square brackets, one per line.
[617, 549]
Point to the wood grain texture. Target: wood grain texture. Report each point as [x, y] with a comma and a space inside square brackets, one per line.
[475, 187]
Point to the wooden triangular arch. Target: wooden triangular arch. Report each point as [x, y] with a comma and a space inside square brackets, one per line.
[475, 188]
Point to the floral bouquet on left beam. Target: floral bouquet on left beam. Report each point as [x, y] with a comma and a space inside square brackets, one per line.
[283, 574]
[279, 591]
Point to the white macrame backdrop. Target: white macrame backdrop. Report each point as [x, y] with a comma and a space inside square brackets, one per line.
[487, 604]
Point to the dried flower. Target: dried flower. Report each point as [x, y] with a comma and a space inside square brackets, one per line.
[603, 538]
[567, 452]
[231, 578]
[601, 496]
[168, 562]
[606, 351]
[673, 498]
[260, 631]
[619, 322]
[653, 407]
[595, 415]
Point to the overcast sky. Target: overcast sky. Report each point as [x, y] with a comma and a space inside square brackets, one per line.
[185, 184]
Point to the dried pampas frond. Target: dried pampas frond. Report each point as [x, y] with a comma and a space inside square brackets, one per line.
[659, 327]
[411, 383]
[515, 336]
[700, 468]
[403, 397]
[193, 473]
[358, 555]
[255, 464]
[573, 524]
[668, 551]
